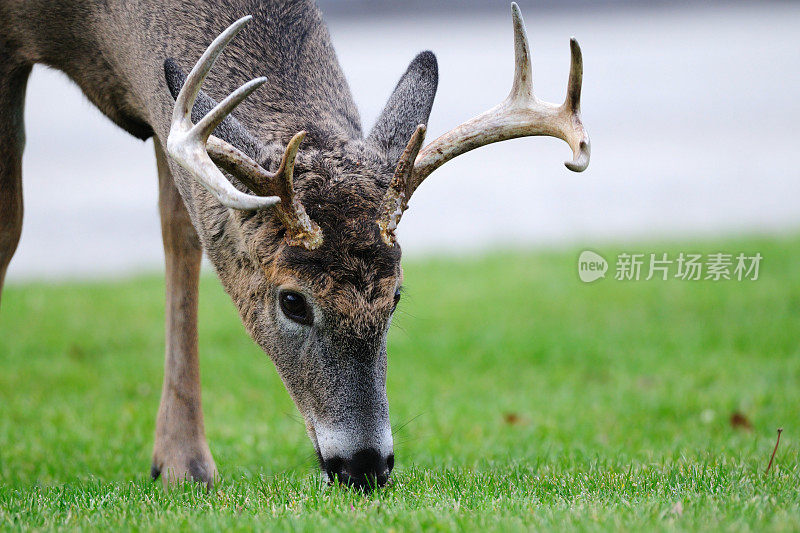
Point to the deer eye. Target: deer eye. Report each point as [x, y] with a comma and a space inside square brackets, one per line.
[294, 306]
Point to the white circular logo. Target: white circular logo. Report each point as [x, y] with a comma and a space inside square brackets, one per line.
[591, 266]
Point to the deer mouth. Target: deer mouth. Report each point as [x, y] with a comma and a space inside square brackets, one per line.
[366, 469]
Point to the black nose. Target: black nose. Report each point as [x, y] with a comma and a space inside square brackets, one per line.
[366, 470]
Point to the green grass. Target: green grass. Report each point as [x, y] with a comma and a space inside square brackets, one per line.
[521, 398]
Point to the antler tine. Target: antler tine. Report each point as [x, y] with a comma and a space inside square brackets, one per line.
[396, 199]
[188, 94]
[523, 76]
[206, 126]
[521, 114]
[187, 143]
[286, 169]
[573, 101]
[579, 140]
[300, 229]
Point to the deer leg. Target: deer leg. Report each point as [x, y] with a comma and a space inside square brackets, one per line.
[181, 451]
[13, 80]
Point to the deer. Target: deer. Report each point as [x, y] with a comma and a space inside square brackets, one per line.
[294, 206]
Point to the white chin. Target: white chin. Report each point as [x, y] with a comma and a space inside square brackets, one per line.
[344, 444]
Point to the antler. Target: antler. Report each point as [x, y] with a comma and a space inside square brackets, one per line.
[520, 115]
[194, 148]
[300, 229]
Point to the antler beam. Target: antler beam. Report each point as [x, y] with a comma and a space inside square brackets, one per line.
[521, 114]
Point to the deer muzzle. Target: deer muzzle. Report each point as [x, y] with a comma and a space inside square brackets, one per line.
[362, 457]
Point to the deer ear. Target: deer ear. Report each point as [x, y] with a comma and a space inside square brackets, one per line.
[409, 106]
[230, 130]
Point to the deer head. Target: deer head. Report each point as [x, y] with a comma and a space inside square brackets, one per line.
[319, 276]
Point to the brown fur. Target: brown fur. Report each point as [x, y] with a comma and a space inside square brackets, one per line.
[12, 142]
[180, 448]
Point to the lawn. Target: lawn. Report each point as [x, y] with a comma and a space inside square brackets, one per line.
[520, 398]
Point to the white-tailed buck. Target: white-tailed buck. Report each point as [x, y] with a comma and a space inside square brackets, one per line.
[293, 205]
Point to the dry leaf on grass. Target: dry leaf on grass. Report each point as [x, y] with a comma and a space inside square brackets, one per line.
[740, 421]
